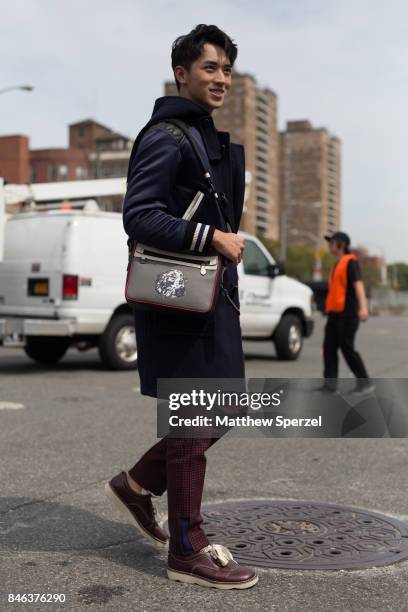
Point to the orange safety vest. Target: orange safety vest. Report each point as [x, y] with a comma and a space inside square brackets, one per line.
[336, 296]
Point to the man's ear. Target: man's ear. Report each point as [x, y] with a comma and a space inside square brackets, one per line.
[180, 74]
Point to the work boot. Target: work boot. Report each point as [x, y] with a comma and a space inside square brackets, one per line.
[213, 566]
[137, 507]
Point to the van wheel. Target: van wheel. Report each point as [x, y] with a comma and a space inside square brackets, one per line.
[46, 350]
[117, 345]
[288, 338]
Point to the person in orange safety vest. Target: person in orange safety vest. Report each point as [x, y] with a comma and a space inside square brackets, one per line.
[345, 306]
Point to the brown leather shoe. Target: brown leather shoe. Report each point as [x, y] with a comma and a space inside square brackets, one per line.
[214, 567]
[138, 507]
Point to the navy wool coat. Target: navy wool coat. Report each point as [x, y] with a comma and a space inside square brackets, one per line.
[164, 175]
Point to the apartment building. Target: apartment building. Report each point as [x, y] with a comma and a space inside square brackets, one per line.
[310, 184]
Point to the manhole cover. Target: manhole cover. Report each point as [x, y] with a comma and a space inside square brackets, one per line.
[305, 535]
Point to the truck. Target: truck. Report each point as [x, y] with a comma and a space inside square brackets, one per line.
[62, 284]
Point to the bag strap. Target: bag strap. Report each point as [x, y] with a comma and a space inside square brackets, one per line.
[205, 169]
[184, 129]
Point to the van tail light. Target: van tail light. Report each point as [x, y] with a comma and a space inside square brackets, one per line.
[69, 287]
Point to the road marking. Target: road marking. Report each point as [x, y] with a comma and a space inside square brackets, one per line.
[11, 406]
[136, 389]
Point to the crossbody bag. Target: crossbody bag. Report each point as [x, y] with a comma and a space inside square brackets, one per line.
[176, 282]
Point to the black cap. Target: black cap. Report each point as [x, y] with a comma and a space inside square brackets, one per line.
[340, 236]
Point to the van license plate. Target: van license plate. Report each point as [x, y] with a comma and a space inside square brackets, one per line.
[38, 286]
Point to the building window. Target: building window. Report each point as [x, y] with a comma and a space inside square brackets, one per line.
[261, 149]
[63, 171]
[261, 120]
[262, 179]
[52, 172]
[80, 172]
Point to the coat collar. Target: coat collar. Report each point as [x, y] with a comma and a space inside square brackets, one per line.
[210, 137]
[178, 107]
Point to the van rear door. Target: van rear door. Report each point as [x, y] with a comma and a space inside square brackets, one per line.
[31, 273]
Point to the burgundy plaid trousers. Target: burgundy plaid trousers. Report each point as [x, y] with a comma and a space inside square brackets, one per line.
[178, 465]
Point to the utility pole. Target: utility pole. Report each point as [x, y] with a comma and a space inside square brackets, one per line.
[285, 204]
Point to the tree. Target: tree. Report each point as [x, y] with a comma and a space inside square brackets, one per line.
[397, 274]
[371, 274]
[300, 260]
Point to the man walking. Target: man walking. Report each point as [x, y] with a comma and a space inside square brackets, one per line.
[345, 306]
[163, 178]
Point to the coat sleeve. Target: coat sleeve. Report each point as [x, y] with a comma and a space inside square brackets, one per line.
[152, 177]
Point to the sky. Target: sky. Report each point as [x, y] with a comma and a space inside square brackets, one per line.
[342, 64]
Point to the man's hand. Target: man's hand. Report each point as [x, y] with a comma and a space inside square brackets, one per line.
[228, 244]
[363, 314]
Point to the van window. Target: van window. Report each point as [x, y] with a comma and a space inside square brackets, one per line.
[255, 262]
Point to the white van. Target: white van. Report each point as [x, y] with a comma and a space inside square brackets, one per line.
[62, 284]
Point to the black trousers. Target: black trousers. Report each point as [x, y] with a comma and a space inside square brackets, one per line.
[340, 332]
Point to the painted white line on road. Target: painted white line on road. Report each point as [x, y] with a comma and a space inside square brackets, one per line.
[11, 406]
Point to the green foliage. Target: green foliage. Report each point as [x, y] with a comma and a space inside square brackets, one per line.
[371, 275]
[300, 260]
[271, 245]
[398, 275]
[328, 261]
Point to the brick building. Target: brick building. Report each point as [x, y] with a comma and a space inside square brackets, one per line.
[94, 151]
[50, 165]
[310, 184]
[14, 158]
[84, 134]
[249, 114]
[107, 151]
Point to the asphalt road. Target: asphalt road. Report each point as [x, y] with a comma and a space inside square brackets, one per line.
[78, 425]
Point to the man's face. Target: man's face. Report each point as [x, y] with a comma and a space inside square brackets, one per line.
[336, 247]
[208, 79]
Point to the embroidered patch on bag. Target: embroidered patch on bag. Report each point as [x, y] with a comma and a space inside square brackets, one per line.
[171, 284]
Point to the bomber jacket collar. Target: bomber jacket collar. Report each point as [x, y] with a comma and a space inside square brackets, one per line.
[178, 107]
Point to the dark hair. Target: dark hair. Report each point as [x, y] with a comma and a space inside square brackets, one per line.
[187, 48]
